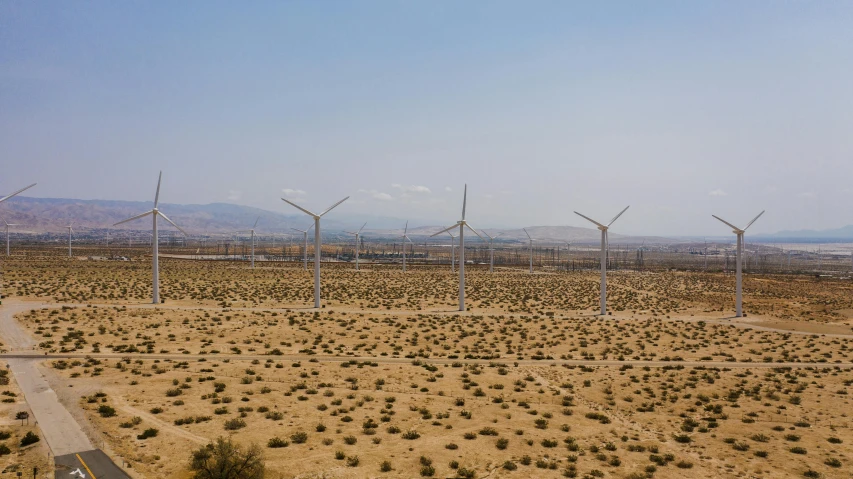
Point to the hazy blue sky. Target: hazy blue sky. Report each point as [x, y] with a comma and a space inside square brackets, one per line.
[680, 109]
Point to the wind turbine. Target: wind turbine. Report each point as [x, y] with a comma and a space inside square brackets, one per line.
[462, 224]
[155, 243]
[305, 246]
[357, 234]
[69, 237]
[7, 234]
[739, 288]
[604, 245]
[491, 251]
[403, 239]
[317, 243]
[16, 193]
[452, 252]
[253, 240]
[530, 248]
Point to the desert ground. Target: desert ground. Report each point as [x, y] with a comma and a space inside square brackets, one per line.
[387, 379]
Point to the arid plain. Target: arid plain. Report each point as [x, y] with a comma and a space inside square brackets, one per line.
[388, 380]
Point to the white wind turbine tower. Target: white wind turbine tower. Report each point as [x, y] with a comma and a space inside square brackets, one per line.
[604, 245]
[452, 252]
[403, 240]
[530, 248]
[491, 251]
[462, 224]
[252, 231]
[304, 246]
[317, 243]
[155, 243]
[739, 287]
[357, 234]
[7, 234]
[69, 237]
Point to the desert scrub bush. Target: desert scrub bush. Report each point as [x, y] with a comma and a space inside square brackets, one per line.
[385, 466]
[798, 450]
[411, 435]
[352, 461]
[299, 437]
[832, 462]
[350, 440]
[29, 438]
[234, 424]
[174, 392]
[502, 443]
[150, 432]
[277, 442]
[106, 411]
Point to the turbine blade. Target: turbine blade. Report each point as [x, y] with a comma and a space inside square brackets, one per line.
[753, 220]
[157, 195]
[617, 216]
[333, 206]
[301, 231]
[15, 193]
[256, 223]
[406, 229]
[726, 222]
[362, 227]
[173, 223]
[528, 234]
[141, 215]
[299, 207]
[445, 230]
[590, 220]
[475, 231]
[409, 239]
[464, 201]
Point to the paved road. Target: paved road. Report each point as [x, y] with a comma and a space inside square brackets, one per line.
[87, 465]
[59, 428]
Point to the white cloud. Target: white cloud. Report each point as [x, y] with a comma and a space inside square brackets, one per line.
[448, 189]
[292, 193]
[411, 188]
[718, 192]
[377, 195]
[234, 195]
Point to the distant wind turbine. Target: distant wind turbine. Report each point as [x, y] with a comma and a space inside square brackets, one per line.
[530, 248]
[357, 233]
[461, 224]
[740, 242]
[403, 239]
[317, 244]
[452, 252]
[305, 245]
[155, 243]
[7, 234]
[491, 251]
[604, 245]
[69, 237]
[252, 231]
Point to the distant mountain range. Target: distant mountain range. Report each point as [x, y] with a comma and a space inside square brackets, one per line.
[51, 215]
[845, 233]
